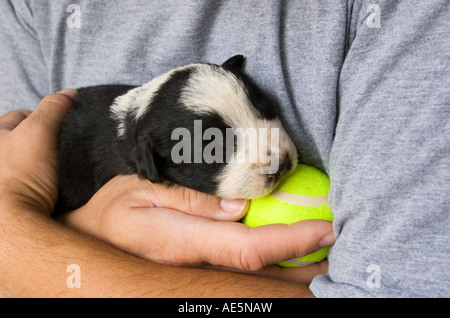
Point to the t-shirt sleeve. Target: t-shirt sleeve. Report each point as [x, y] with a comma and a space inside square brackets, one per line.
[390, 162]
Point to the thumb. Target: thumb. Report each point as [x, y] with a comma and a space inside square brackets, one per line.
[264, 245]
[198, 203]
[50, 112]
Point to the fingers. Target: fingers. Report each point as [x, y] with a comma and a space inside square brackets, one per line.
[68, 92]
[141, 193]
[153, 229]
[12, 119]
[303, 275]
[260, 246]
[47, 116]
[198, 203]
[171, 212]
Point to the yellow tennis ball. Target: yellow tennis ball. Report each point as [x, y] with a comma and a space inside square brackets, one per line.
[302, 195]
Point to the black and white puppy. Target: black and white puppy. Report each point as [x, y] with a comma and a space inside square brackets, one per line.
[118, 129]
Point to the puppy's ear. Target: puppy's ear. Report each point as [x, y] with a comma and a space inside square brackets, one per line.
[145, 163]
[235, 62]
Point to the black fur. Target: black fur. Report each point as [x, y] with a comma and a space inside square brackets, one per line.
[89, 152]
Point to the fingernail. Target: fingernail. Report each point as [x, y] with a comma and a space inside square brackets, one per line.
[233, 206]
[327, 240]
[69, 92]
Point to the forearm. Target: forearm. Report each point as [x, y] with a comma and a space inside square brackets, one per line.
[35, 252]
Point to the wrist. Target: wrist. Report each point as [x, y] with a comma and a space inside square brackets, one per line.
[82, 219]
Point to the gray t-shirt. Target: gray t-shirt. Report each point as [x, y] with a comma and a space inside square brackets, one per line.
[363, 87]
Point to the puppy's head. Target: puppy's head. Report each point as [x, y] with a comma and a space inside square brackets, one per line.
[206, 127]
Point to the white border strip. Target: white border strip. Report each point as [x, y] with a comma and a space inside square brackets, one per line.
[303, 200]
[297, 262]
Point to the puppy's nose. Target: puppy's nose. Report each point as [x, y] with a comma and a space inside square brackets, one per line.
[285, 165]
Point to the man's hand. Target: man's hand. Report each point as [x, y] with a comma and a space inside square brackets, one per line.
[181, 226]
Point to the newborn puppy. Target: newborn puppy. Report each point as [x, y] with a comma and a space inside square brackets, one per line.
[202, 126]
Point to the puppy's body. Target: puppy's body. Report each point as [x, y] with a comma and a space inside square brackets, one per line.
[118, 129]
[90, 153]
